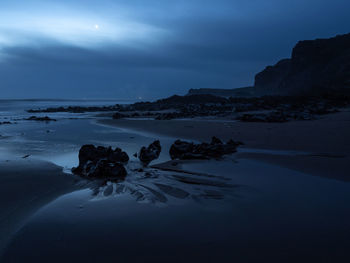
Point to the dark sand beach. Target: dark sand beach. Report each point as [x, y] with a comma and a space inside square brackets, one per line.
[25, 186]
[280, 193]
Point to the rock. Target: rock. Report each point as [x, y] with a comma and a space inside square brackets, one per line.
[234, 143]
[118, 116]
[169, 116]
[34, 118]
[101, 162]
[215, 140]
[260, 117]
[216, 149]
[92, 153]
[150, 153]
[5, 122]
[104, 169]
[179, 149]
[237, 92]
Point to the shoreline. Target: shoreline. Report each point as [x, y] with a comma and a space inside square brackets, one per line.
[324, 150]
[303, 136]
[260, 167]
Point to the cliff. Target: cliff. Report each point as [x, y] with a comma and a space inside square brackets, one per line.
[316, 67]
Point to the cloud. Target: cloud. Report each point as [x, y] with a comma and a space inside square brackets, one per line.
[22, 29]
[151, 48]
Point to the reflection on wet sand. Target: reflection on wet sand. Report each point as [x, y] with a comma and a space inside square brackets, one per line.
[153, 185]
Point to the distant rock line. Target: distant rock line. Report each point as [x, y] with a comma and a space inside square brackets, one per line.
[238, 92]
[75, 109]
[275, 108]
[45, 119]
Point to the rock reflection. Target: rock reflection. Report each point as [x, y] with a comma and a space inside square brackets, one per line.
[157, 186]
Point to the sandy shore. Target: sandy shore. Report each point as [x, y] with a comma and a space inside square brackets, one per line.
[322, 146]
[284, 201]
[26, 186]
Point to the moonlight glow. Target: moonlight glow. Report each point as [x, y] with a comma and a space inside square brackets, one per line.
[75, 29]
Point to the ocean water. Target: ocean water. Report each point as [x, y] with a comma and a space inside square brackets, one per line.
[12, 109]
[58, 142]
[233, 210]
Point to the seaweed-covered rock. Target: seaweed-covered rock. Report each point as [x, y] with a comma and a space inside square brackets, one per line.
[215, 149]
[101, 162]
[150, 153]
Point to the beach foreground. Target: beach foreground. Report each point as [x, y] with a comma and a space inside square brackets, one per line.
[25, 186]
[280, 195]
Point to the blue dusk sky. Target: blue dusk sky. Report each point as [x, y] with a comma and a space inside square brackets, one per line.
[151, 48]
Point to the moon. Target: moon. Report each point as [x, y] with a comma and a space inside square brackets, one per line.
[97, 27]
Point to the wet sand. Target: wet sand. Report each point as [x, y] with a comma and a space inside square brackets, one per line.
[220, 211]
[322, 147]
[26, 186]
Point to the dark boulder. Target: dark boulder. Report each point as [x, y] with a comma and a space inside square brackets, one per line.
[94, 154]
[179, 149]
[104, 169]
[150, 153]
[215, 140]
[101, 162]
[215, 149]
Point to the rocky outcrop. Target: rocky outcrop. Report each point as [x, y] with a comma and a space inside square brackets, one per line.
[118, 116]
[77, 109]
[239, 92]
[215, 149]
[101, 162]
[150, 153]
[35, 118]
[317, 67]
[276, 116]
[5, 122]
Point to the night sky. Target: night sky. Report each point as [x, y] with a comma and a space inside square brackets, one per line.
[151, 48]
